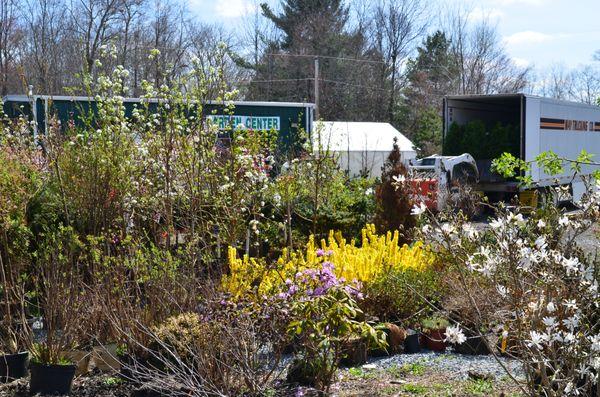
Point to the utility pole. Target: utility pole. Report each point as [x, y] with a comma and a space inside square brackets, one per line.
[316, 88]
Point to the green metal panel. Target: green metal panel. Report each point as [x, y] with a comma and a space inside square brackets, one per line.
[291, 116]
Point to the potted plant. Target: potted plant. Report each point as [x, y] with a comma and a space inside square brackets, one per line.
[474, 345]
[59, 293]
[411, 343]
[434, 333]
[15, 330]
[51, 371]
[20, 181]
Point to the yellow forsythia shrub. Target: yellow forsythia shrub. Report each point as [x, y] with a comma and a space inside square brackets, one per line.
[376, 254]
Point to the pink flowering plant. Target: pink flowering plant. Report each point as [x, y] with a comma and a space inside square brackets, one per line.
[327, 322]
[311, 283]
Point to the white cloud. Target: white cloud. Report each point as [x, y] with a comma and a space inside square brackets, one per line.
[531, 37]
[521, 62]
[482, 14]
[521, 2]
[233, 8]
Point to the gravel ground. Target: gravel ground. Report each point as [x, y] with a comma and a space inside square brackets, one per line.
[455, 366]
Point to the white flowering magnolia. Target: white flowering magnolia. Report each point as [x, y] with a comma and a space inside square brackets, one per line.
[545, 292]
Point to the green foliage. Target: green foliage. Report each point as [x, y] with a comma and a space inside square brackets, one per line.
[402, 294]
[480, 387]
[483, 144]
[416, 369]
[180, 336]
[509, 166]
[360, 373]
[430, 76]
[112, 381]
[453, 140]
[41, 353]
[428, 133]
[324, 325]
[312, 195]
[415, 389]
[296, 11]
[473, 137]
[434, 323]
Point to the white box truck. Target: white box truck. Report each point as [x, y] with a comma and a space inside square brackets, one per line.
[531, 125]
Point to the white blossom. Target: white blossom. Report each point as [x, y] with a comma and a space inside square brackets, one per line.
[537, 339]
[497, 223]
[595, 340]
[549, 322]
[571, 265]
[418, 209]
[570, 304]
[502, 290]
[571, 322]
[399, 179]
[455, 335]
[470, 231]
[540, 242]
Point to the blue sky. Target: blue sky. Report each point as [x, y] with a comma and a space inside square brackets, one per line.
[537, 33]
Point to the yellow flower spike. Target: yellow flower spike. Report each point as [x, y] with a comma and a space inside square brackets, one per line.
[376, 255]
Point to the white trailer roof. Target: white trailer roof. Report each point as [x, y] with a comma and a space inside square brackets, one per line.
[350, 136]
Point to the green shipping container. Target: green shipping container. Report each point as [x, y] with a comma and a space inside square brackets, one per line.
[287, 118]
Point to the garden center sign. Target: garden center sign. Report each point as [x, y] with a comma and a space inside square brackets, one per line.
[246, 122]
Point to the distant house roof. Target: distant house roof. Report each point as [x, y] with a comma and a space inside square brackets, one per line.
[359, 136]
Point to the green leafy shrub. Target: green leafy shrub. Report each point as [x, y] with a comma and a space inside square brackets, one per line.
[479, 141]
[434, 323]
[403, 294]
[453, 140]
[183, 335]
[473, 137]
[325, 325]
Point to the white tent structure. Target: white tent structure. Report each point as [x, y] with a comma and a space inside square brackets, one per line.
[361, 148]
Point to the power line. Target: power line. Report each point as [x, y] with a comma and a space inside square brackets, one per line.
[275, 80]
[309, 79]
[325, 57]
[354, 85]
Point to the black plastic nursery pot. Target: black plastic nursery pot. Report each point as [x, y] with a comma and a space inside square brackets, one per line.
[354, 353]
[411, 344]
[51, 378]
[13, 366]
[474, 345]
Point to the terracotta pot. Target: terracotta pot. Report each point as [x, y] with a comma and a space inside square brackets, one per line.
[395, 337]
[105, 358]
[434, 340]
